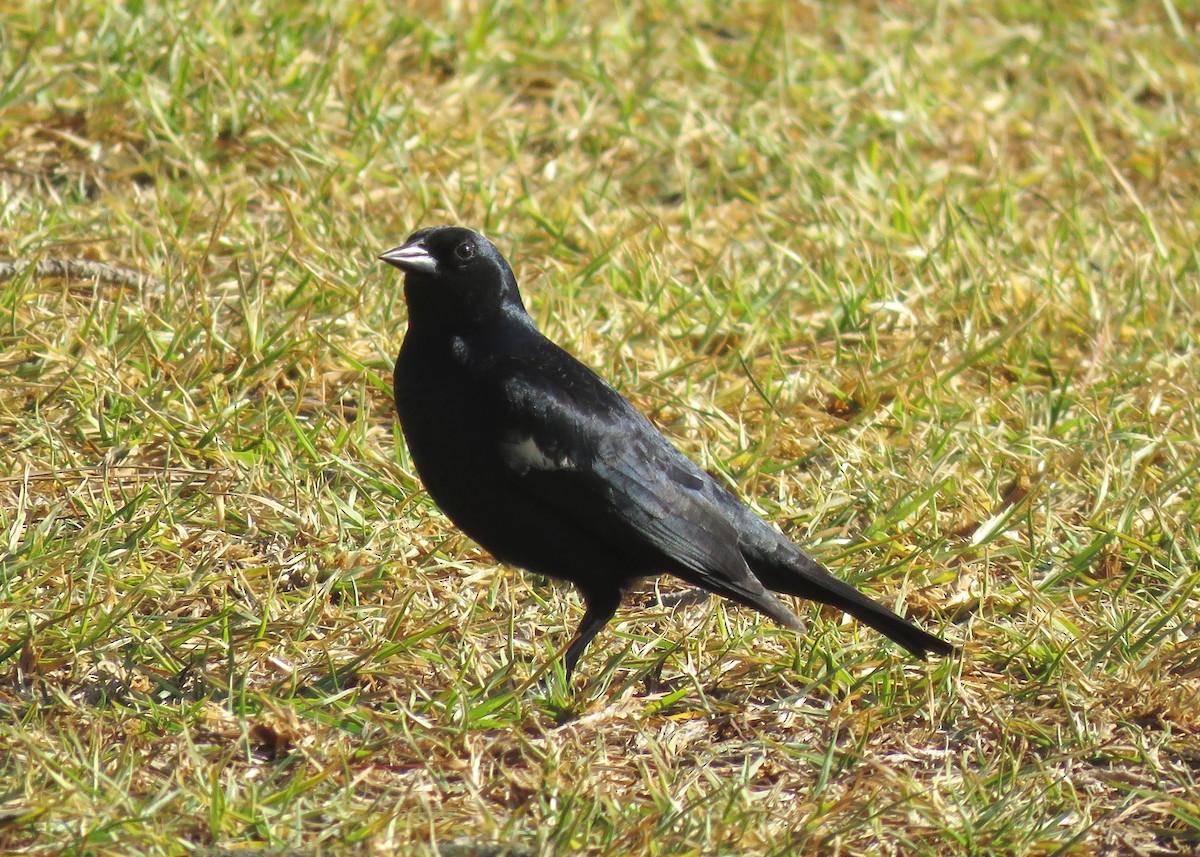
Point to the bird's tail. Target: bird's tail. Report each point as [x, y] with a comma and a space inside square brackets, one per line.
[782, 567]
[807, 578]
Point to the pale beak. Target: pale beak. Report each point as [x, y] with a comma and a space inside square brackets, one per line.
[411, 257]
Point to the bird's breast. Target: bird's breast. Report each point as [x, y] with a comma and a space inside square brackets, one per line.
[448, 416]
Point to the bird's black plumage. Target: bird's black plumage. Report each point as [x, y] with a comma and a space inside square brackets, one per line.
[544, 464]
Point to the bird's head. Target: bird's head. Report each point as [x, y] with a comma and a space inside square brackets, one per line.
[454, 273]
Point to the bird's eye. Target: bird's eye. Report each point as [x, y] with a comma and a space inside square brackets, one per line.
[465, 251]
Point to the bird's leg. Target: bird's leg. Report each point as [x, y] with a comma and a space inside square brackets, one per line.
[600, 608]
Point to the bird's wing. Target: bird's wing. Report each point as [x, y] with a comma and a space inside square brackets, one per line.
[576, 444]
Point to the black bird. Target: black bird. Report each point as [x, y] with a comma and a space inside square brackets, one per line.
[541, 462]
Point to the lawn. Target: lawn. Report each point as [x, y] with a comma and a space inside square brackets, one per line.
[920, 279]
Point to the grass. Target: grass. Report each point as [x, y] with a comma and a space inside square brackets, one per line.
[921, 279]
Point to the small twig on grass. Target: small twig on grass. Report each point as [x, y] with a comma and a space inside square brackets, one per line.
[77, 269]
[97, 471]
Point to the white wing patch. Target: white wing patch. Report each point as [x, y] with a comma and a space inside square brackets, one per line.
[523, 454]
